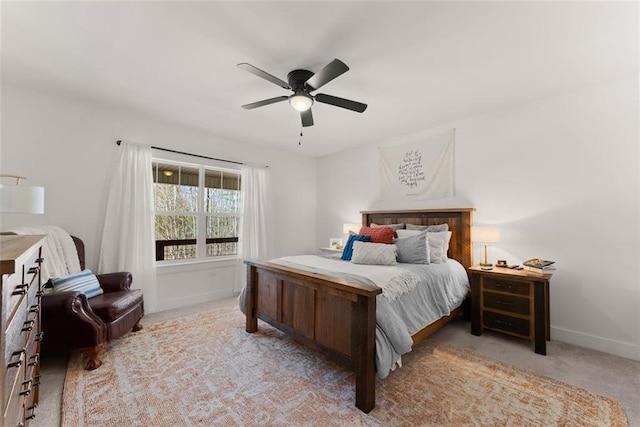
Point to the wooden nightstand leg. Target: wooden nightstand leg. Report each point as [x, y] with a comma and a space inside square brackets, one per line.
[476, 321]
[540, 318]
[547, 310]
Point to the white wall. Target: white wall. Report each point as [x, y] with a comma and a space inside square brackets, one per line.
[68, 146]
[560, 178]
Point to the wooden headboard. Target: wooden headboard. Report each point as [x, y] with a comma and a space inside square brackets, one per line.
[459, 220]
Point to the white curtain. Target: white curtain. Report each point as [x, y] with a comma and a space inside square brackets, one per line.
[128, 234]
[254, 241]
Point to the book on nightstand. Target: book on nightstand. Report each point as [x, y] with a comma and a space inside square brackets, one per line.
[538, 265]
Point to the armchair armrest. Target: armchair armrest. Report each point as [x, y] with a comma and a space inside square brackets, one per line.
[69, 321]
[114, 282]
[60, 303]
[68, 303]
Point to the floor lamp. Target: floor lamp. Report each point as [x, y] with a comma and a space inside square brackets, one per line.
[485, 235]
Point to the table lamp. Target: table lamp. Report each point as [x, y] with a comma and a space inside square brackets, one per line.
[350, 227]
[485, 235]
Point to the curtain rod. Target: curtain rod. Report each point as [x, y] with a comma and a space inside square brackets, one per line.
[118, 142]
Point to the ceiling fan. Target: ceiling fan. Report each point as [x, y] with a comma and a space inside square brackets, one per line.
[302, 83]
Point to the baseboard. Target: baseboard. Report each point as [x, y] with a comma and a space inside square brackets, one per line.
[194, 299]
[606, 345]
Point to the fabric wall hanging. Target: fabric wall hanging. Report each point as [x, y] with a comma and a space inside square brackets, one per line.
[419, 170]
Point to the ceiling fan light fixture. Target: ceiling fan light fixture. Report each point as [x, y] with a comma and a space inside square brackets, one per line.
[301, 101]
[301, 82]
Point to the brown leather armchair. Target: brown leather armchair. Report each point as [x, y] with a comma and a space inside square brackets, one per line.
[71, 320]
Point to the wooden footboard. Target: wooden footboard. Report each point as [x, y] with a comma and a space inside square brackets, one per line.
[334, 316]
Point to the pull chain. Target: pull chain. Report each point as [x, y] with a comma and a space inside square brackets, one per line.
[300, 140]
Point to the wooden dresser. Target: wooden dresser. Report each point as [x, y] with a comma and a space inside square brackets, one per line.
[514, 302]
[20, 261]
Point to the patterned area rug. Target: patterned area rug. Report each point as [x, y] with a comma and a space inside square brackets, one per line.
[205, 370]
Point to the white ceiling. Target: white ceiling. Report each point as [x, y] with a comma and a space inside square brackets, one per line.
[416, 64]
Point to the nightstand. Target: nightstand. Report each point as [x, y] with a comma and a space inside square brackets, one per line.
[514, 302]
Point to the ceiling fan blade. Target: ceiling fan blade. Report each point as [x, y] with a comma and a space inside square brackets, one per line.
[264, 102]
[258, 72]
[330, 71]
[341, 102]
[307, 118]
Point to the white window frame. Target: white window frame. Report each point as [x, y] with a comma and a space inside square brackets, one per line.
[200, 214]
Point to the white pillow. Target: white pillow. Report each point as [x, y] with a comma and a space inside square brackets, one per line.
[438, 245]
[373, 253]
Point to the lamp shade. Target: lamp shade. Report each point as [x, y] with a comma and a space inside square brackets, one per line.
[485, 234]
[21, 199]
[349, 227]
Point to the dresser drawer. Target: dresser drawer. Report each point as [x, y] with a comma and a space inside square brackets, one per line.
[33, 360]
[14, 412]
[33, 374]
[510, 286]
[15, 391]
[14, 374]
[18, 284]
[18, 331]
[14, 291]
[505, 302]
[506, 323]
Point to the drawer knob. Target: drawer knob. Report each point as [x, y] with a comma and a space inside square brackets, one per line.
[27, 387]
[33, 360]
[21, 289]
[28, 325]
[504, 286]
[505, 303]
[503, 323]
[17, 363]
[32, 409]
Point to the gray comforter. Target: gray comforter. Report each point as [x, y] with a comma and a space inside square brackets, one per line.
[442, 288]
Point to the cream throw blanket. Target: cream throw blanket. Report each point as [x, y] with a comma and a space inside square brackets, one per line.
[393, 281]
[59, 252]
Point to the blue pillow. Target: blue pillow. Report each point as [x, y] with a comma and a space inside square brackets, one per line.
[84, 282]
[347, 252]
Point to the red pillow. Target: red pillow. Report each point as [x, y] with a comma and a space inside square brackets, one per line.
[379, 234]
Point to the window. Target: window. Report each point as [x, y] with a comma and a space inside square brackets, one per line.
[197, 211]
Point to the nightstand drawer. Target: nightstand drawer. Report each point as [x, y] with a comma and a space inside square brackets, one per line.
[506, 323]
[510, 286]
[509, 303]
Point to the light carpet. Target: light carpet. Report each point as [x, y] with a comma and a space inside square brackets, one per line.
[205, 370]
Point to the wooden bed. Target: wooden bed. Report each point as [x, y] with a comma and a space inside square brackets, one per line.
[338, 317]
